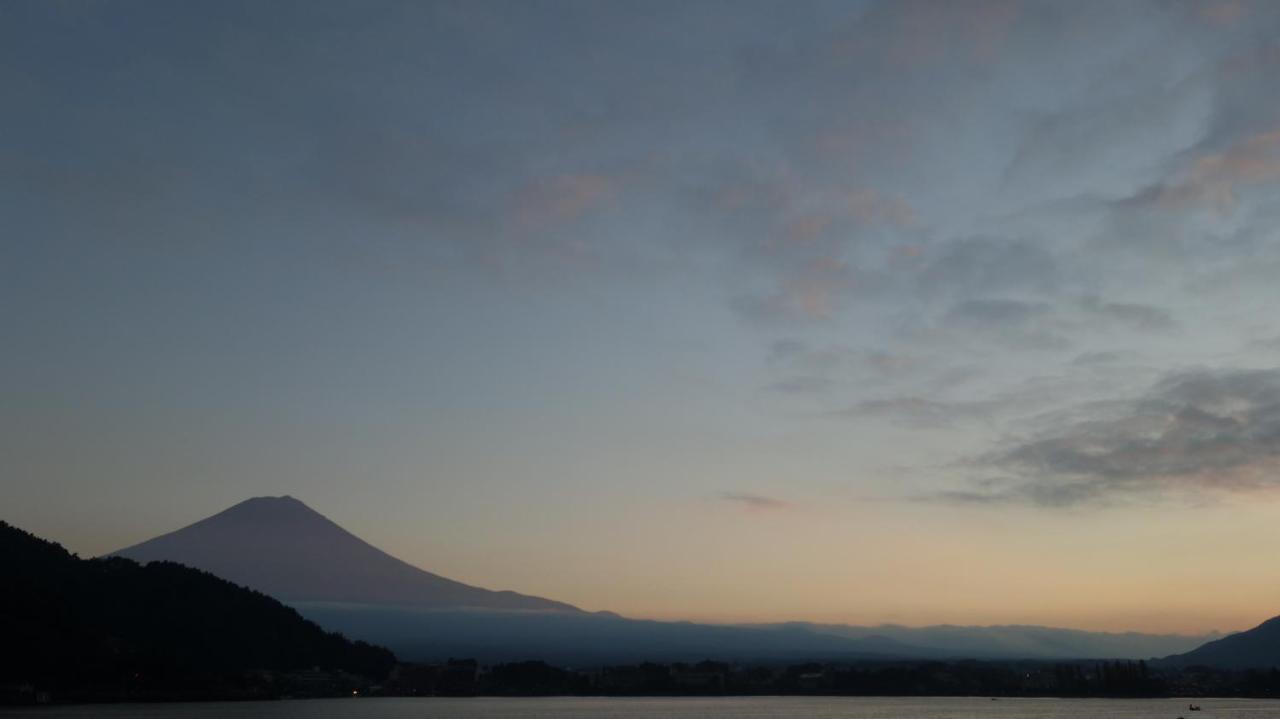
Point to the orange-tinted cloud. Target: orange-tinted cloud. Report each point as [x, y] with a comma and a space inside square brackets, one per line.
[813, 292]
[872, 207]
[1222, 13]
[562, 198]
[1215, 178]
[920, 31]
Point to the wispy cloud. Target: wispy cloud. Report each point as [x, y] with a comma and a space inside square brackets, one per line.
[756, 502]
[812, 292]
[1192, 435]
[1214, 178]
[1129, 315]
[802, 385]
[1102, 357]
[921, 411]
[1013, 323]
[561, 199]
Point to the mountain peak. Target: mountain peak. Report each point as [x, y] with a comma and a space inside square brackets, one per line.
[284, 501]
[282, 547]
[268, 499]
[267, 506]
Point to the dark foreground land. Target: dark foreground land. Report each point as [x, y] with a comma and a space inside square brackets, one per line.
[466, 678]
[900, 678]
[77, 630]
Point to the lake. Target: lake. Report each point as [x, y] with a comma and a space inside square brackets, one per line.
[682, 708]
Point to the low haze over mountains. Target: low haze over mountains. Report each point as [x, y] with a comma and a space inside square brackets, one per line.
[282, 547]
[1020, 641]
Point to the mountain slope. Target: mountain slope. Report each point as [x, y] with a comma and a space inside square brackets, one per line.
[282, 547]
[114, 628]
[1257, 648]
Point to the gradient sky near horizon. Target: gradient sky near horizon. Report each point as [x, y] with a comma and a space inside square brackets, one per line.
[911, 312]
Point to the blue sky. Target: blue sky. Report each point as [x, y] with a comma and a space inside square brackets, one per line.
[839, 311]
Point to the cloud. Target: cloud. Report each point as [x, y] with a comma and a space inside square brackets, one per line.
[1221, 12]
[783, 350]
[755, 502]
[1087, 359]
[1191, 435]
[1214, 178]
[1098, 140]
[921, 411]
[1145, 318]
[799, 357]
[560, 199]
[1001, 313]
[803, 385]
[873, 207]
[1014, 323]
[1268, 343]
[811, 293]
[983, 265]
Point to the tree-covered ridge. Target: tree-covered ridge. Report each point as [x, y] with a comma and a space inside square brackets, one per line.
[114, 625]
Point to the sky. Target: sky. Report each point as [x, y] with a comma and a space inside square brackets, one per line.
[913, 312]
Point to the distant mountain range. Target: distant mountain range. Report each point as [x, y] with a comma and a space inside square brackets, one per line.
[1018, 641]
[110, 630]
[281, 547]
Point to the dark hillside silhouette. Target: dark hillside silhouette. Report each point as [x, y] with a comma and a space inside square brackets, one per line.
[1257, 648]
[111, 628]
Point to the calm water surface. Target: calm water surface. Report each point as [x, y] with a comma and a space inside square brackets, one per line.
[714, 708]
